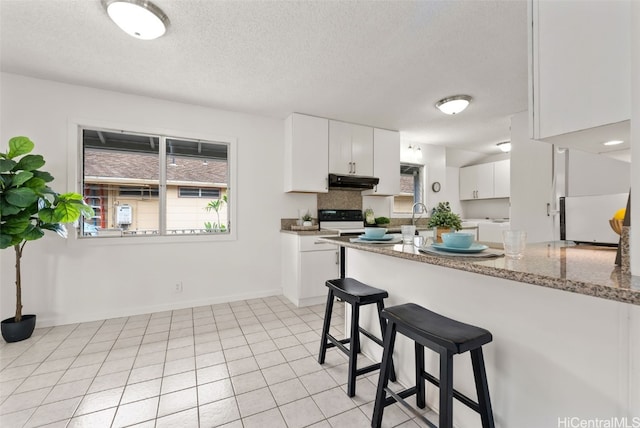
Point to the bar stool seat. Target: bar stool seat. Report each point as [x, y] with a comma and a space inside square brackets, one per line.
[447, 337]
[356, 294]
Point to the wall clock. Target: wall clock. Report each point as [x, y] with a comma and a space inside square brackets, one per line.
[435, 186]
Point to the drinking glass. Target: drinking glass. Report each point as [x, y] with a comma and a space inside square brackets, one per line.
[408, 232]
[514, 242]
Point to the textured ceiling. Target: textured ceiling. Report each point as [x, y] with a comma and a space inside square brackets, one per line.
[379, 63]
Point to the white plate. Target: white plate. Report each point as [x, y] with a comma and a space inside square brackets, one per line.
[474, 248]
[387, 237]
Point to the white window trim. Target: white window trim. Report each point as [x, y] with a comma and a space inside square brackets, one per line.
[425, 191]
[74, 180]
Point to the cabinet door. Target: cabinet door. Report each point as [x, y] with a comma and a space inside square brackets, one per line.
[502, 179]
[306, 154]
[581, 71]
[340, 148]
[484, 181]
[362, 150]
[386, 162]
[316, 268]
[468, 182]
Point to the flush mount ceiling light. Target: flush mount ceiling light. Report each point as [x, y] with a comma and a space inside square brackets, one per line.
[138, 18]
[613, 142]
[453, 105]
[505, 146]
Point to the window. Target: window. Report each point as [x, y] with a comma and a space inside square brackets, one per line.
[411, 188]
[198, 192]
[154, 185]
[139, 191]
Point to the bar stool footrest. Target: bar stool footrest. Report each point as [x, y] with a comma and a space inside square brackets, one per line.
[473, 405]
[337, 343]
[399, 397]
[367, 369]
[370, 336]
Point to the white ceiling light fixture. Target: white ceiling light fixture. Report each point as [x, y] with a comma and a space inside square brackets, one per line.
[138, 18]
[613, 142]
[454, 104]
[505, 146]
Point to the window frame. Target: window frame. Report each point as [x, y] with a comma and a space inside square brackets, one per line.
[425, 192]
[200, 189]
[76, 174]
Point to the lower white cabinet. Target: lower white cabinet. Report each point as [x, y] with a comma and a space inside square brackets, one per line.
[306, 266]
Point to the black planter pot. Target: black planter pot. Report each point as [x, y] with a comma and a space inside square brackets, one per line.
[16, 331]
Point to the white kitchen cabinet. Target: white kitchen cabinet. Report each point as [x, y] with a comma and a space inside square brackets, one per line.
[306, 154]
[386, 162]
[485, 181]
[476, 181]
[580, 74]
[306, 266]
[491, 232]
[350, 148]
[502, 179]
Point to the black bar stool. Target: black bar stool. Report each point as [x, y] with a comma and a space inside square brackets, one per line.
[446, 337]
[356, 294]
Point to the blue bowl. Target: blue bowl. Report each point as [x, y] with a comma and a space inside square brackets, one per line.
[375, 232]
[458, 240]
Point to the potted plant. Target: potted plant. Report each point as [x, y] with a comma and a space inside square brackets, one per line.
[382, 221]
[28, 207]
[444, 220]
[307, 220]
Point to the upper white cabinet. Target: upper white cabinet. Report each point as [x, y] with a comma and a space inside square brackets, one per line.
[485, 181]
[476, 181]
[350, 148]
[306, 154]
[502, 179]
[580, 69]
[386, 162]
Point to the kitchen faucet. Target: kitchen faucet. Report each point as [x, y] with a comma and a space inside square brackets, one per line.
[413, 211]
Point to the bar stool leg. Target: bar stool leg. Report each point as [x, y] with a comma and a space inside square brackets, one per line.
[446, 390]
[354, 347]
[385, 369]
[420, 385]
[325, 327]
[482, 388]
[383, 328]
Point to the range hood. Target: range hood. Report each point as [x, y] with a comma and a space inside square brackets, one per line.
[338, 181]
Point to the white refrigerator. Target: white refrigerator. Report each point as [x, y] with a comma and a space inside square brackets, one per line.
[585, 219]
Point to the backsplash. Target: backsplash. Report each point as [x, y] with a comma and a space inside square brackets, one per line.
[340, 200]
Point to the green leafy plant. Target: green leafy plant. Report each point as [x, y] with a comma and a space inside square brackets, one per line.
[215, 206]
[443, 217]
[307, 217]
[383, 220]
[28, 206]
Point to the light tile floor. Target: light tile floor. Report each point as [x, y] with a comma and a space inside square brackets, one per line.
[249, 363]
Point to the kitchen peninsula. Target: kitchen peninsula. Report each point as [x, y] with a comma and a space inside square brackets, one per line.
[565, 322]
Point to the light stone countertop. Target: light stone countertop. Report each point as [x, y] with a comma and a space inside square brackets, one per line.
[562, 265]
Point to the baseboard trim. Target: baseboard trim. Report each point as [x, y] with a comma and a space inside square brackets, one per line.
[65, 319]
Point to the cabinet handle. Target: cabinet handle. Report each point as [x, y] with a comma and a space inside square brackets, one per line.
[326, 183]
[350, 167]
[354, 168]
[337, 258]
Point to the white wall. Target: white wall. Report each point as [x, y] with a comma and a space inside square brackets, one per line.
[635, 136]
[75, 280]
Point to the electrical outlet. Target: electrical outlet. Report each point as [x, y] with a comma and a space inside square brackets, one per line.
[178, 288]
